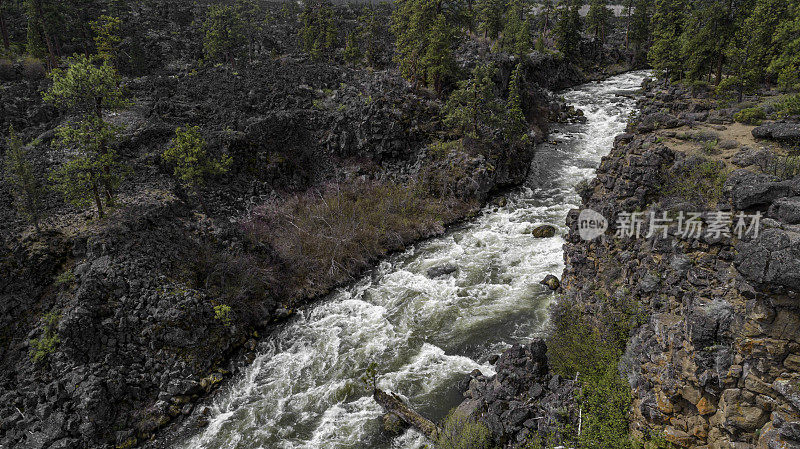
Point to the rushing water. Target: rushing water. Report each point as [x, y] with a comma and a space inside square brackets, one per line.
[303, 389]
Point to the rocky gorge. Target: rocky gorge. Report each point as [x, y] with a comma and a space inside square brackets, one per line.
[710, 321]
[122, 311]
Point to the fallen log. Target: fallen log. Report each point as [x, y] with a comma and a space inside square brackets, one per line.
[394, 404]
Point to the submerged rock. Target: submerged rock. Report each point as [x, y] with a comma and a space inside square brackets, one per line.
[544, 231]
[441, 270]
[551, 282]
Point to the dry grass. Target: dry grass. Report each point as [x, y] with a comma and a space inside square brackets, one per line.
[33, 69]
[325, 237]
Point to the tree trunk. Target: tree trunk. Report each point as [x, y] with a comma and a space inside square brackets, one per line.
[86, 50]
[97, 201]
[33, 210]
[37, 4]
[719, 71]
[109, 191]
[628, 24]
[393, 404]
[4, 28]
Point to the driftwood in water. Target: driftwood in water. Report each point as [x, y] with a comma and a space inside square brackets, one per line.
[393, 404]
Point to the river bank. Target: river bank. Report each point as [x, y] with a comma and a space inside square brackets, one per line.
[694, 330]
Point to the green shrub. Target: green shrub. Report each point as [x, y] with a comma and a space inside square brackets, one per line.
[7, 70]
[710, 147]
[788, 106]
[222, 313]
[699, 86]
[65, 278]
[193, 165]
[657, 440]
[443, 168]
[782, 167]
[700, 183]
[589, 346]
[243, 282]
[33, 69]
[46, 344]
[460, 432]
[750, 116]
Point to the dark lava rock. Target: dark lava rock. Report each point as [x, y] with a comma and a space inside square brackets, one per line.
[523, 398]
[772, 259]
[780, 131]
[551, 282]
[544, 231]
[750, 189]
[441, 270]
[786, 210]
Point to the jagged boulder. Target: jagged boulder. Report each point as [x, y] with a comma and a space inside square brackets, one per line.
[780, 131]
[523, 399]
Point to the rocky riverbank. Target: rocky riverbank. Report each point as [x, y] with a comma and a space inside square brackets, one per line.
[109, 329]
[711, 344]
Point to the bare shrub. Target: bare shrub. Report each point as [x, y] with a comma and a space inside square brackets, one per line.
[242, 281]
[783, 167]
[33, 69]
[325, 237]
[7, 70]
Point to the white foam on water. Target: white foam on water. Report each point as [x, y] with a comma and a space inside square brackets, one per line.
[303, 389]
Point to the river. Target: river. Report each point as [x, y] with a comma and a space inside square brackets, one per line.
[303, 389]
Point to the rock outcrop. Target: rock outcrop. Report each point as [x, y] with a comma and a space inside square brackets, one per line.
[713, 359]
[715, 363]
[523, 401]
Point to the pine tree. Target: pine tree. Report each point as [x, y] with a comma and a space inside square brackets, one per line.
[371, 33]
[517, 32]
[89, 90]
[786, 65]
[193, 165]
[4, 34]
[491, 13]
[474, 106]
[708, 29]
[93, 168]
[568, 29]
[547, 13]
[107, 37]
[86, 88]
[21, 176]
[222, 33]
[515, 126]
[639, 28]
[425, 32]
[597, 21]
[668, 23]
[438, 59]
[352, 54]
[42, 19]
[252, 20]
[319, 34]
[752, 48]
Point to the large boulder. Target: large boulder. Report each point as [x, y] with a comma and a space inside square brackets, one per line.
[780, 131]
[773, 258]
[786, 210]
[543, 231]
[749, 189]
